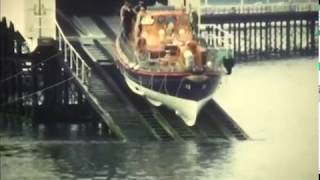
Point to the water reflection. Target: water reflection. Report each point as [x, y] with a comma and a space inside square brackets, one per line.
[26, 129]
[113, 160]
[283, 129]
[70, 151]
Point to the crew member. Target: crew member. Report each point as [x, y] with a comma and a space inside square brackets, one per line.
[194, 21]
[126, 16]
[139, 7]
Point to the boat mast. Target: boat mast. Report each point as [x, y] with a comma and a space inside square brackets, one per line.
[199, 15]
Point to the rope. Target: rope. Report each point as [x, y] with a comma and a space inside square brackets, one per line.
[39, 91]
[33, 66]
[165, 84]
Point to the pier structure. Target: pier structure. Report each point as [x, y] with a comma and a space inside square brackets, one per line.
[262, 30]
[34, 85]
[259, 7]
[76, 66]
[75, 76]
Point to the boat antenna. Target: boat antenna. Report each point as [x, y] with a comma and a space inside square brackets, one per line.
[199, 17]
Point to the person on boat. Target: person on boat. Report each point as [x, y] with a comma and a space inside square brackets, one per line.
[126, 16]
[139, 7]
[194, 21]
[124, 10]
[141, 51]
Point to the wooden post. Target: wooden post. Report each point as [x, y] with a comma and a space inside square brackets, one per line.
[255, 38]
[66, 89]
[312, 33]
[266, 37]
[1, 65]
[260, 38]
[5, 62]
[229, 31]
[294, 36]
[250, 38]
[301, 37]
[80, 96]
[288, 37]
[20, 93]
[11, 67]
[239, 39]
[281, 38]
[269, 38]
[212, 33]
[60, 88]
[222, 34]
[216, 34]
[275, 30]
[234, 38]
[308, 35]
[16, 88]
[245, 40]
[35, 85]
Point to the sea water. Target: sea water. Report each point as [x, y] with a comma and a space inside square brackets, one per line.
[275, 102]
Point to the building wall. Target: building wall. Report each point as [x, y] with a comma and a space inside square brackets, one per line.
[13, 10]
[25, 16]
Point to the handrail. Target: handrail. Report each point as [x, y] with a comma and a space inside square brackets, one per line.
[258, 8]
[216, 37]
[73, 59]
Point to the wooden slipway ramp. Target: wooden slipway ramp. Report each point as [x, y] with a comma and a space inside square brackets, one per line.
[131, 117]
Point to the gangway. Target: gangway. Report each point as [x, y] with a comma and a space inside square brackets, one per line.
[120, 116]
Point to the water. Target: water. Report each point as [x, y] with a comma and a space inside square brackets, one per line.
[274, 102]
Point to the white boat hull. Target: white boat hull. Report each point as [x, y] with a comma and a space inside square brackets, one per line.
[187, 109]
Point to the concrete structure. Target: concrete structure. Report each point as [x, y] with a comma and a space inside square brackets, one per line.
[32, 18]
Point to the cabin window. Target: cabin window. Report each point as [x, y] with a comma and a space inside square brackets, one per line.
[184, 20]
[165, 20]
[157, 55]
[171, 50]
[172, 19]
[147, 20]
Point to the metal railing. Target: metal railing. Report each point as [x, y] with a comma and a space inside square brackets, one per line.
[208, 9]
[79, 68]
[217, 38]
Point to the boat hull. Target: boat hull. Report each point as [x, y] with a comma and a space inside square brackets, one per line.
[187, 109]
[184, 92]
[185, 86]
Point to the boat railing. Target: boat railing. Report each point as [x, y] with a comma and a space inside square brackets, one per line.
[79, 68]
[217, 38]
[136, 60]
[155, 63]
[125, 46]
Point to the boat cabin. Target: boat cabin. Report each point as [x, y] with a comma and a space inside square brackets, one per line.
[165, 38]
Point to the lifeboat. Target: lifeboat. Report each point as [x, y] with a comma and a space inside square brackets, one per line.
[162, 60]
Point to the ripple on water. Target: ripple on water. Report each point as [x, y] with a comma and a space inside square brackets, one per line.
[291, 143]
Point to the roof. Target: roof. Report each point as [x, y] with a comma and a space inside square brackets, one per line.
[160, 8]
[165, 12]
